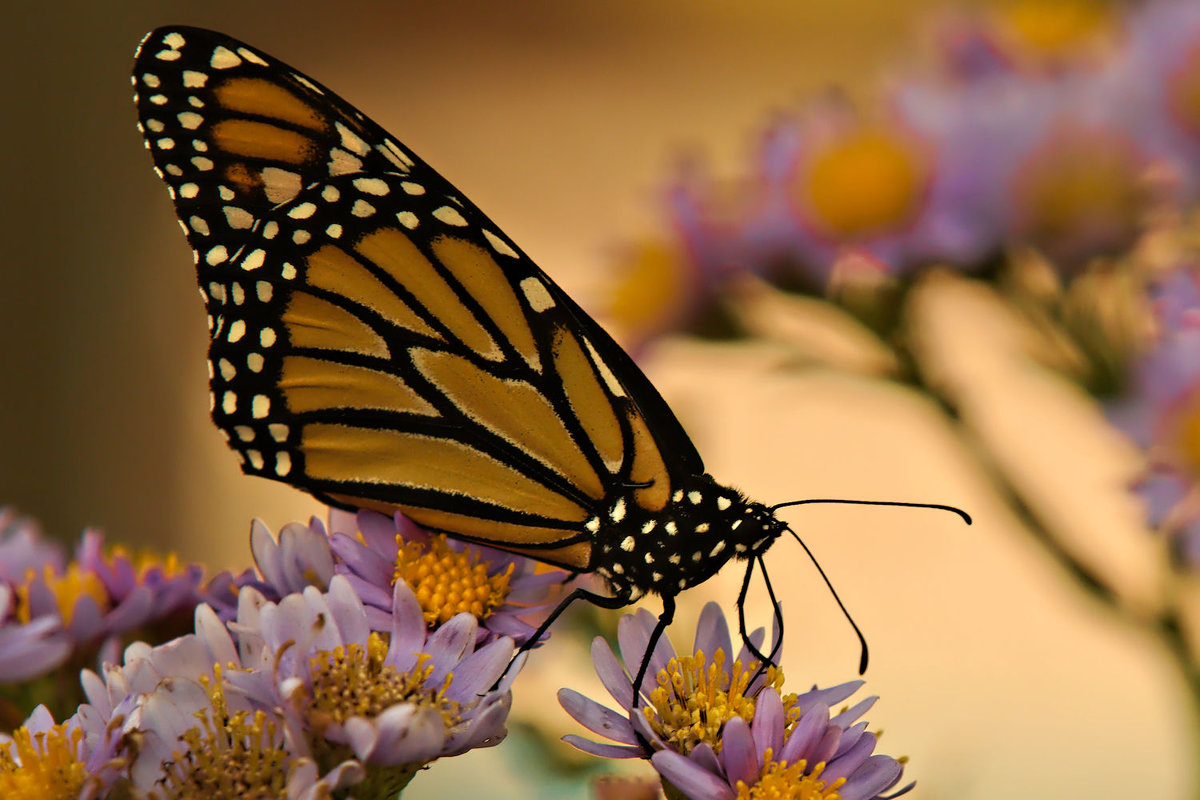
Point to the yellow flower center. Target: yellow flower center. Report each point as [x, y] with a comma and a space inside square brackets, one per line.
[1082, 185]
[67, 589]
[782, 781]
[352, 681]
[447, 582]
[868, 182]
[1047, 28]
[1183, 94]
[695, 698]
[235, 756]
[146, 560]
[1189, 433]
[650, 290]
[42, 766]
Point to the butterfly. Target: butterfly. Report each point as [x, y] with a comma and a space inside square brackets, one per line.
[379, 343]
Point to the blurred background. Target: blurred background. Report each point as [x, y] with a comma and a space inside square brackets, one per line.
[563, 122]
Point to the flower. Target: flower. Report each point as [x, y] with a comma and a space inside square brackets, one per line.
[85, 608]
[184, 732]
[42, 760]
[197, 741]
[1161, 413]
[23, 547]
[719, 729]
[1161, 90]
[394, 702]
[301, 557]
[499, 589]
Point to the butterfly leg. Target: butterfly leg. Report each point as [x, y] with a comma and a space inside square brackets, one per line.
[599, 600]
[741, 607]
[664, 619]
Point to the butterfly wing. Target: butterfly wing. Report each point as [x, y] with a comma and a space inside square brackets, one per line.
[375, 339]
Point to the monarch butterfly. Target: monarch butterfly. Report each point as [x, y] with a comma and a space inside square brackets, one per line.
[379, 343]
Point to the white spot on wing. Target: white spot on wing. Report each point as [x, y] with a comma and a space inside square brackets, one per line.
[193, 79]
[449, 215]
[375, 186]
[280, 185]
[498, 244]
[254, 260]
[238, 218]
[627, 544]
[407, 219]
[260, 406]
[342, 163]
[610, 380]
[302, 211]
[224, 58]
[352, 141]
[251, 56]
[536, 294]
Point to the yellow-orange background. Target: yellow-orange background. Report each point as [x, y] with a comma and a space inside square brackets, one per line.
[560, 120]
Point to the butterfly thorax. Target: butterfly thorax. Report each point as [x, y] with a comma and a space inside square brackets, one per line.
[664, 552]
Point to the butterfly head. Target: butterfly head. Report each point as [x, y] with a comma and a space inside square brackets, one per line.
[690, 539]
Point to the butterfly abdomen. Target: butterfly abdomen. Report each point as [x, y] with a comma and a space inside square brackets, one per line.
[664, 552]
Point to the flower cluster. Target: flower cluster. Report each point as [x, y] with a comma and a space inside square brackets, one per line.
[350, 660]
[719, 729]
[1161, 413]
[1049, 126]
[291, 699]
[61, 614]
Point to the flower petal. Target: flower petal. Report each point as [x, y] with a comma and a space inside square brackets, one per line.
[602, 750]
[597, 718]
[739, 752]
[691, 780]
[877, 775]
[712, 632]
[611, 673]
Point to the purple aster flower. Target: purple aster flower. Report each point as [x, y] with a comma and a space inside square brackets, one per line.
[1161, 413]
[86, 607]
[170, 710]
[1033, 37]
[43, 759]
[1161, 70]
[448, 577]
[395, 702]
[301, 557]
[23, 547]
[712, 724]
[194, 736]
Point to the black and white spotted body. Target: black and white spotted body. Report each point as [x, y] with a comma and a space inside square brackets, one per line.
[704, 525]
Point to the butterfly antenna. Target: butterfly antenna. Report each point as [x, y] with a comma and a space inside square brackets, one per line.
[862, 640]
[937, 506]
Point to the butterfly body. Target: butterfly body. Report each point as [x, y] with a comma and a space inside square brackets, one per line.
[377, 341]
[703, 526]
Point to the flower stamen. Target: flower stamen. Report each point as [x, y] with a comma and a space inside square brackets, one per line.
[42, 766]
[696, 697]
[353, 681]
[782, 781]
[236, 756]
[448, 582]
[67, 589]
